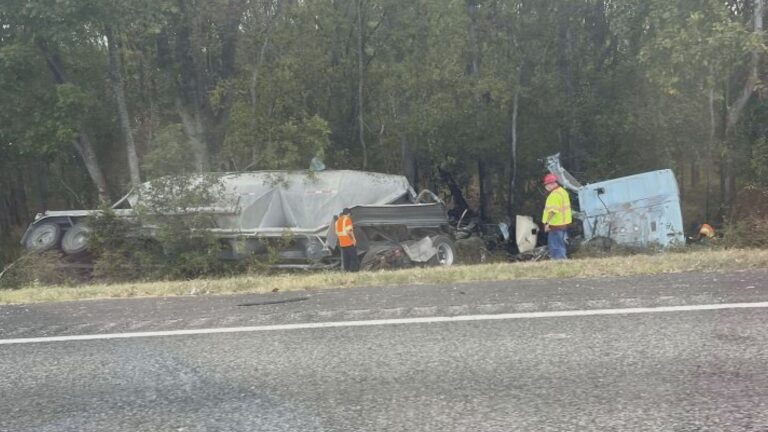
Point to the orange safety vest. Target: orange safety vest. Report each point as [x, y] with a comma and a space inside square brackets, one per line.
[707, 231]
[344, 231]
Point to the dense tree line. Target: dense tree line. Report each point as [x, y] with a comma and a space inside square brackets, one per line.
[99, 95]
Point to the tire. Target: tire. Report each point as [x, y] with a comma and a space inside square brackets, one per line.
[446, 251]
[75, 240]
[43, 237]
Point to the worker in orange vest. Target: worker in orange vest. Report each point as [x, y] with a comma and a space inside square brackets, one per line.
[706, 231]
[347, 243]
[702, 233]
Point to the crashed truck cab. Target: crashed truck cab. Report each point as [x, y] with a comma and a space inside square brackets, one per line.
[639, 211]
[293, 212]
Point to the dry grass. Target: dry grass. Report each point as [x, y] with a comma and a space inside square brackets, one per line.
[670, 262]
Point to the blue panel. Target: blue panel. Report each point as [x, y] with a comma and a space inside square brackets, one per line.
[640, 210]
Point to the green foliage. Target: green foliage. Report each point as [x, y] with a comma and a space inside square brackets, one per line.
[747, 225]
[170, 154]
[169, 236]
[120, 254]
[254, 145]
[71, 106]
[759, 162]
[747, 232]
[40, 270]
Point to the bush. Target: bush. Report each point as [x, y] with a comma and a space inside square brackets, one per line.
[747, 232]
[42, 269]
[168, 239]
[748, 224]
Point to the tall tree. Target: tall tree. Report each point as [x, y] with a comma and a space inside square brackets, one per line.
[118, 88]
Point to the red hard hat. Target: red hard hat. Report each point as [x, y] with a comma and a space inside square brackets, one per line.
[550, 178]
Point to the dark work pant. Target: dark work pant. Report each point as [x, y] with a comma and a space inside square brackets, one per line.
[556, 244]
[349, 259]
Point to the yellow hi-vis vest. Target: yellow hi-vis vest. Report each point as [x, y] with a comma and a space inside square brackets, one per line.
[557, 210]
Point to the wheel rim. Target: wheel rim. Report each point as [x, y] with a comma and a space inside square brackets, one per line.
[75, 240]
[44, 237]
[444, 254]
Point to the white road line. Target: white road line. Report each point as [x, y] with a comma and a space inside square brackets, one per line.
[395, 321]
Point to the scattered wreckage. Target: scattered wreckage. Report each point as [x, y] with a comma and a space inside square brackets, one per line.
[639, 211]
[394, 226]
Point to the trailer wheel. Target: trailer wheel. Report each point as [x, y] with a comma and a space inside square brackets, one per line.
[75, 240]
[43, 237]
[446, 251]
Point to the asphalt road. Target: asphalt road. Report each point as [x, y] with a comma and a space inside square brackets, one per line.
[683, 370]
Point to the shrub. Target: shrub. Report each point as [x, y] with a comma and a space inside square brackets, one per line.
[42, 269]
[747, 232]
[748, 224]
[169, 237]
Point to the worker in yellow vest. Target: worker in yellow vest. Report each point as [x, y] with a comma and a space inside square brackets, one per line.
[347, 243]
[556, 217]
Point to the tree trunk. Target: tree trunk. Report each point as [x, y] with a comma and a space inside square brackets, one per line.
[485, 189]
[473, 70]
[407, 157]
[360, 72]
[408, 160]
[694, 164]
[255, 73]
[14, 211]
[196, 132]
[42, 187]
[270, 25]
[512, 164]
[569, 140]
[193, 79]
[224, 74]
[81, 143]
[21, 208]
[474, 65]
[87, 152]
[118, 88]
[733, 114]
[710, 145]
[680, 160]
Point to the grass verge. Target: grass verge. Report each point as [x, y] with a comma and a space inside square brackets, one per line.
[670, 262]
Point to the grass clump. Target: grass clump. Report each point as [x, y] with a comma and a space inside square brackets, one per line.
[40, 270]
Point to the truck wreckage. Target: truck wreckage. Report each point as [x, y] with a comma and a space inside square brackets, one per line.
[395, 227]
[637, 211]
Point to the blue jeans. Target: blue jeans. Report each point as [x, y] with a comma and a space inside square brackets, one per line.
[556, 244]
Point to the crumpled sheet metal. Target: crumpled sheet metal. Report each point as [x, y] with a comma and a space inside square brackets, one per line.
[419, 250]
[641, 210]
[563, 177]
[526, 232]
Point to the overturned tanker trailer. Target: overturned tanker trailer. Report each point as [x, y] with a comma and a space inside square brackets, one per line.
[394, 226]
